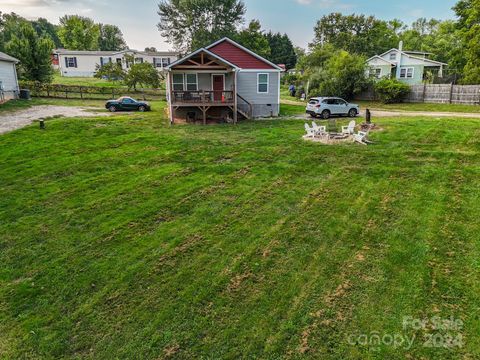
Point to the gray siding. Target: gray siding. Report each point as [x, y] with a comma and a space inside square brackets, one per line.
[205, 81]
[263, 104]
[9, 81]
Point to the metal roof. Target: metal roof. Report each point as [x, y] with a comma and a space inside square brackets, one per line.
[5, 57]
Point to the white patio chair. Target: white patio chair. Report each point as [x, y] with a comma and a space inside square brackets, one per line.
[350, 129]
[310, 131]
[319, 130]
[361, 138]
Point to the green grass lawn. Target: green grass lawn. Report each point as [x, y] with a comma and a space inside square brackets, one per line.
[123, 237]
[422, 107]
[90, 81]
[84, 81]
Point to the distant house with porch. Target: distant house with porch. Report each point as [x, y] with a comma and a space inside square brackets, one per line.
[8, 77]
[72, 63]
[410, 67]
[223, 81]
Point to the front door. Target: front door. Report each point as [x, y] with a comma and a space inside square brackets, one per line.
[218, 87]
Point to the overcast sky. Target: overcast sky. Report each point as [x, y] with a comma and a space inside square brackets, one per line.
[138, 19]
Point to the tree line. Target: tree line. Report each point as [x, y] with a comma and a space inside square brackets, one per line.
[190, 24]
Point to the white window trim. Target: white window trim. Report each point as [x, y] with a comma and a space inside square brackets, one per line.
[68, 61]
[393, 56]
[406, 73]
[182, 83]
[187, 83]
[168, 61]
[258, 83]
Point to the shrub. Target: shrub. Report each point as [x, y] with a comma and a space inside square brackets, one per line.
[391, 91]
[342, 75]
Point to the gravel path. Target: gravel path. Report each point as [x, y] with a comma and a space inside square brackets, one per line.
[18, 119]
[392, 113]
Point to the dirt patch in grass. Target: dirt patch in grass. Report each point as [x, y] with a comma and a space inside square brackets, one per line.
[19, 119]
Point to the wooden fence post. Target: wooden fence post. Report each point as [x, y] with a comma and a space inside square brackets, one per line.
[424, 91]
[451, 94]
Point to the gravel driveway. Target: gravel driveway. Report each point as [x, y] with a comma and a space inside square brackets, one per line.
[393, 113]
[18, 119]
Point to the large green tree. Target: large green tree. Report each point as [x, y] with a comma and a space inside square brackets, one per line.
[111, 38]
[342, 74]
[190, 24]
[254, 39]
[34, 53]
[468, 12]
[282, 50]
[44, 27]
[143, 74]
[10, 25]
[79, 33]
[440, 38]
[358, 34]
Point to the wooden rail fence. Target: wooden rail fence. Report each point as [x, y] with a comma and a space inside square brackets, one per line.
[436, 93]
[89, 92]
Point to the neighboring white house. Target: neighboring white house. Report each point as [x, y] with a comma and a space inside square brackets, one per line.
[407, 66]
[8, 77]
[73, 63]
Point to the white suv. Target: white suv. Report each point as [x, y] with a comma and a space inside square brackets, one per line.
[325, 107]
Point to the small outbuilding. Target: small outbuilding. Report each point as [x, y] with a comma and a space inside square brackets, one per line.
[8, 77]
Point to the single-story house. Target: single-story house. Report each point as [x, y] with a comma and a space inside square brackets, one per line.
[74, 63]
[223, 81]
[8, 77]
[407, 66]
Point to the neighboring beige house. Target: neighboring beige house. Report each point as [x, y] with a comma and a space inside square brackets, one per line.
[407, 66]
[8, 77]
[73, 63]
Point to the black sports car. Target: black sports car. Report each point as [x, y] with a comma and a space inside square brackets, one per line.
[126, 103]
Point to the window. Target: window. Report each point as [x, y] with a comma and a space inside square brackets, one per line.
[165, 62]
[71, 62]
[406, 73]
[119, 61]
[192, 82]
[375, 73]
[262, 82]
[340, 102]
[178, 82]
[139, 60]
[128, 101]
[393, 56]
[105, 60]
[157, 62]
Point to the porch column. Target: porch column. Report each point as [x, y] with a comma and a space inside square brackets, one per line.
[204, 111]
[235, 100]
[169, 94]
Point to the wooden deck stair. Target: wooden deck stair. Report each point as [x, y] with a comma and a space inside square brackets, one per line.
[246, 114]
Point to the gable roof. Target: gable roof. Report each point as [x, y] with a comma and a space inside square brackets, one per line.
[382, 59]
[189, 56]
[410, 54]
[240, 55]
[8, 58]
